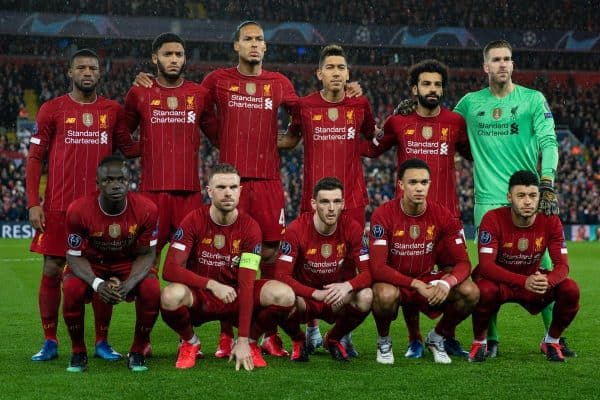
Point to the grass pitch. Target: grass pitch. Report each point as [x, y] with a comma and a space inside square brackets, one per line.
[520, 371]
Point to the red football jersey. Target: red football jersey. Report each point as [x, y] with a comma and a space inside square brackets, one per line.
[247, 109]
[110, 239]
[509, 254]
[76, 136]
[404, 247]
[331, 135]
[309, 260]
[434, 140]
[169, 121]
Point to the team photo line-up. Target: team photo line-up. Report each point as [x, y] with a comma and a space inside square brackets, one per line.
[236, 260]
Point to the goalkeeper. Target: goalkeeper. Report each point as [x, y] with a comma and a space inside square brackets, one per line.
[509, 127]
[111, 250]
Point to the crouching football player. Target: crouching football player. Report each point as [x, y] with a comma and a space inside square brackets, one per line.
[512, 241]
[212, 264]
[407, 237]
[111, 240]
[313, 260]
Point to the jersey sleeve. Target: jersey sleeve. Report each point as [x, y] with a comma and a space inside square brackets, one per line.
[462, 107]
[182, 244]
[368, 126]
[290, 98]
[360, 254]
[38, 147]
[557, 248]
[462, 141]
[455, 252]
[132, 116]
[148, 226]
[208, 119]
[249, 264]
[543, 126]
[289, 252]
[379, 238]
[380, 143]
[490, 237]
[122, 135]
[76, 231]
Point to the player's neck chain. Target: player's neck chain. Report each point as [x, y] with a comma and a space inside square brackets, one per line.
[109, 214]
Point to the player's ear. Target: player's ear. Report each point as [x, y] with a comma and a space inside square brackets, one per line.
[236, 46]
[415, 90]
[313, 204]
[319, 74]
[486, 68]
[509, 197]
[154, 58]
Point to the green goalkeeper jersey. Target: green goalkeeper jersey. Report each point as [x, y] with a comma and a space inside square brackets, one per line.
[506, 135]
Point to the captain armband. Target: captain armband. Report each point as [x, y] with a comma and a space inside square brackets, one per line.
[250, 261]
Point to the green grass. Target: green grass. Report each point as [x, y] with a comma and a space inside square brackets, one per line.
[521, 371]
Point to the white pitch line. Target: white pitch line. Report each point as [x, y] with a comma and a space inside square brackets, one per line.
[20, 259]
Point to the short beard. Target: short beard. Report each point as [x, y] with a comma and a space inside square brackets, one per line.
[169, 75]
[423, 101]
[85, 89]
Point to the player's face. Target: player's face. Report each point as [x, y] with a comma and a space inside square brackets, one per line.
[429, 90]
[224, 191]
[499, 65]
[524, 200]
[85, 73]
[415, 185]
[170, 60]
[333, 73]
[113, 181]
[328, 205]
[251, 46]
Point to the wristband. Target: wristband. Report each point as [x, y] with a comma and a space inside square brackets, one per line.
[438, 281]
[96, 283]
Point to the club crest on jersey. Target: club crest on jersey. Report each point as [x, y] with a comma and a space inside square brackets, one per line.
[133, 230]
[444, 135]
[189, 102]
[414, 231]
[251, 88]
[430, 232]
[341, 249]
[326, 250]
[114, 230]
[219, 241]
[427, 132]
[235, 246]
[523, 244]
[267, 90]
[172, 102]
[74, 240]
[103, 122]
[332, 113]
[350, 116]
[497, 113]
[539, 243]
[88, 119]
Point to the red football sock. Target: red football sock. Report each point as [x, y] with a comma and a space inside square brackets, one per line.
[102, 316]
[147, 304]
[74, 311]
[227, 328]
[49, 302]
[291, 326]
[179, 320]
[348, 319]
[267, 319]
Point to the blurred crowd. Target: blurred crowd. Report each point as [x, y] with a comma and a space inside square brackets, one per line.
[573, 106]
[505, 14]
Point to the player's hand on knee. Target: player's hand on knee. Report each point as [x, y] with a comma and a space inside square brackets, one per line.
[439, 293]
[548, 200]
[337, 292]
[225, 293]
[143, 79]
[405, 107]
[37, 219]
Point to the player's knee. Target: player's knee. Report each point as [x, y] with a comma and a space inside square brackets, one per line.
[385, 296]
[488, 291]
[278, 293]
[53, 266]
[568, 291]
[469, 292]
[364, 299]
[74, 293]
[172, 296]
[149, 292]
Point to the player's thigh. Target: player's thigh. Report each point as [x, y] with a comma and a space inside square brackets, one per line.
[264, 201]
[53, 241]
[207, 307]
[162, 202]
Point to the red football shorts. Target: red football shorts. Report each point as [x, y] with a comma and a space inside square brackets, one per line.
[207, 307]
[264, 201]
[172, 208]
[316, 309]
[412, 297]
[53, 242]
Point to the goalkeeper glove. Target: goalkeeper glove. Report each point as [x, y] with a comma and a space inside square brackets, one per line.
[548, 200]
[405, 107]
